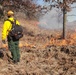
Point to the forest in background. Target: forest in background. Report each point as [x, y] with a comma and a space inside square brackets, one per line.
[28, 7]
[31, 8]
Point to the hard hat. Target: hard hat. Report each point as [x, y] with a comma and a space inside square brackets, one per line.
[10, 13]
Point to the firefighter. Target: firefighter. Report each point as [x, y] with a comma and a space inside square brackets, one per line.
[13, 44]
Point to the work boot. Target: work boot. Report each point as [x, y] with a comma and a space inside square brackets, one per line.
[18, 60]
[15, 62]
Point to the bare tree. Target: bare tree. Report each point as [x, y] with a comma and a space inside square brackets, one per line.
[65, 6]
[26, 6]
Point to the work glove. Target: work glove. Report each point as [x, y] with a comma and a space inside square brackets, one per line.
[4, 41]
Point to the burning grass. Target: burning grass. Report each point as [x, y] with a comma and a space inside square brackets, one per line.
[44, 53]
[58, 41]
[46, 40]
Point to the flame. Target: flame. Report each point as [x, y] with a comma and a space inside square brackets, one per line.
[22, 44]
[4, 45]
[71, 40]
[58, 42]
[73, 36]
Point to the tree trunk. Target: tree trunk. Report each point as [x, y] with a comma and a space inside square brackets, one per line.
[64, 24]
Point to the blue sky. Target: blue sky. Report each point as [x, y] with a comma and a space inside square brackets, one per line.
[72, 12]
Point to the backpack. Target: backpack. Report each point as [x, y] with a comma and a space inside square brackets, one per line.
[16, 30]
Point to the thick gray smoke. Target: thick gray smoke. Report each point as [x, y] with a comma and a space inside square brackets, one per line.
[53, 19]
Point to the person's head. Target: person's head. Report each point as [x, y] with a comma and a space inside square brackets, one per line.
[10, 13]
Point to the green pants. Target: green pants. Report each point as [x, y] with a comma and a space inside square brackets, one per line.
[14, 49]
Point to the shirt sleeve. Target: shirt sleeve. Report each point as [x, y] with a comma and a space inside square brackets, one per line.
[5, 29]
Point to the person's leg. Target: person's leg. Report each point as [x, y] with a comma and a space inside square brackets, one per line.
[12, 49]
[17, 50]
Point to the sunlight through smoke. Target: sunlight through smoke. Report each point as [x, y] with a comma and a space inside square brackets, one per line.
[53, 19]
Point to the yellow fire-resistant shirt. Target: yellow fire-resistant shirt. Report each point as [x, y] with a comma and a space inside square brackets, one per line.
[7, 27]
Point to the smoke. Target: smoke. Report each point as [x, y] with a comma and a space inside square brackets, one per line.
[53, 19]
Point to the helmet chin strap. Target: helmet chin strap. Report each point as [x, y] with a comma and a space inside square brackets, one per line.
[10, 16]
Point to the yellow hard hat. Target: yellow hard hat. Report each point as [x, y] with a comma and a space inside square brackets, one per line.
[10, 13]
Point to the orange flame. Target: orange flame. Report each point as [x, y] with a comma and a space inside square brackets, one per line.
[71, 40]
[21, 44]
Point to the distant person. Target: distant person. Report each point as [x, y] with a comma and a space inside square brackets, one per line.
[13, 43]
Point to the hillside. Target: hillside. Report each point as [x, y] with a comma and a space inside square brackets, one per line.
[43, 52]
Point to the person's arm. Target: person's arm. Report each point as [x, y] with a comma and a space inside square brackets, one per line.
[4, 30]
